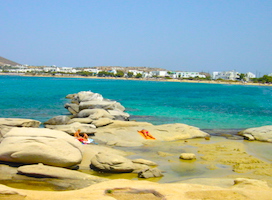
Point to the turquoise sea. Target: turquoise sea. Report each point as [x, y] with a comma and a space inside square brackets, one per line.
[207, 106]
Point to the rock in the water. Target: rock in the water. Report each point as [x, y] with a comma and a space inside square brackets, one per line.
[145, 162]
[187, 156]
[94, 114]
[72, 108]
[106, 105]
[119, 115]
[150, 173]
[111, 163]
[58, 120]
[40, 145]
[263, 133]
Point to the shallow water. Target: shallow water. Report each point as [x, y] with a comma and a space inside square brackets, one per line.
[207, 106]
[223, 109]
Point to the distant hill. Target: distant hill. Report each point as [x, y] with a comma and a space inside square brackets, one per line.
[4, 61]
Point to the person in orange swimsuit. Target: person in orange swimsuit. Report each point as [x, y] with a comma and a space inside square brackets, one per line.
[146, 134]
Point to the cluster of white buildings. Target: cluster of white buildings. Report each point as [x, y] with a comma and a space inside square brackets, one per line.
[224, 75]
[232, 75]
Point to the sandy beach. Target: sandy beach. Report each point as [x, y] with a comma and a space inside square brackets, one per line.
[149, 79]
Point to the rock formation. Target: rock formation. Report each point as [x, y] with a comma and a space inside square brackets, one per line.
[263, 133]
[40, 145]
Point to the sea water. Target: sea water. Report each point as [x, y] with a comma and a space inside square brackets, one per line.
[207, 106]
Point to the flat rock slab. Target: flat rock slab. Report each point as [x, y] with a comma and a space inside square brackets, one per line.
[17, 122]
[40, 170]
[125, 133]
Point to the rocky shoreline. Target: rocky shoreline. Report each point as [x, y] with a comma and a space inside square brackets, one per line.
[54, 158]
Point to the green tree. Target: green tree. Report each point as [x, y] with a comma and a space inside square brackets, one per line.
[242, 77]
[119, 73]
[130, 74]
[139, 75]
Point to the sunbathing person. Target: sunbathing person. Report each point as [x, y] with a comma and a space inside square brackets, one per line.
[80, 138]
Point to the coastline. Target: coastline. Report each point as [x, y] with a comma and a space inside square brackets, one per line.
[145, 79]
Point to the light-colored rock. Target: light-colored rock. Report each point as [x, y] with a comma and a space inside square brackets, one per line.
[81, 120]
[150, 173]
[240, 182]
[10, 192]
[101, 122]
[187, 156]
[119, 115]
[16, 122]
[263, 133]
[89, 151]
[106, 105]
[89, 96]
[72, 108]
[40, 170]
[169, 191]
[248, 137]
[94, 114]
[145, 162]
[89, 129]
[40, 145]
[58, 120]
[70, 96]
[127, 131]
[111, 163]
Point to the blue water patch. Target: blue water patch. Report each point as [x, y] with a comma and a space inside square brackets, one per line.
[208, 106]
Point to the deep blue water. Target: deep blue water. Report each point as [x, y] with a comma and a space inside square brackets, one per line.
[207, 106]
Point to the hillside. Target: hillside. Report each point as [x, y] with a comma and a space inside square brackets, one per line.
[4, 61]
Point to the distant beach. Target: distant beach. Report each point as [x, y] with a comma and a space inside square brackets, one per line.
[147, 79]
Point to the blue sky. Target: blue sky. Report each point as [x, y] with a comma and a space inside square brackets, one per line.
[184, 35]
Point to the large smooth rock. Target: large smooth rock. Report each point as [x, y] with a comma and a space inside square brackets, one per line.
[106, 105]
[40, 145]
[89, 129]
[102, 122]
[119, 115]
[88, 96]
[263, 133]
[121, 133]
[111, 163]
[150, 173]
[17, 122]
[58, 120]
[94, 114]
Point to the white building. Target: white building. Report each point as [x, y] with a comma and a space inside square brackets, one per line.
[160, 73]
[226, 75]
[95, 71]
[135, 72]
[187, 75]
[249, 75]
